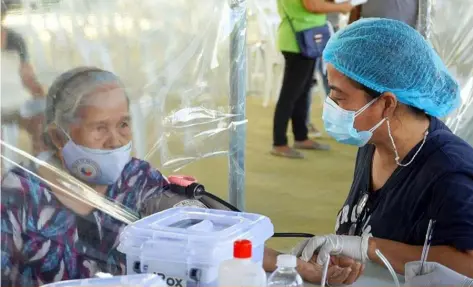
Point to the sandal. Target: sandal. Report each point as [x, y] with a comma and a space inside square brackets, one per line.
[313, 146]
[313, 132]
[291, 153]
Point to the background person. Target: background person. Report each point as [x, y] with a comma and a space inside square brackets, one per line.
[320, 68]
[15, 56]
[49, 235]
[298, 74]
[410, 167]
[19, 85]
[402, 10]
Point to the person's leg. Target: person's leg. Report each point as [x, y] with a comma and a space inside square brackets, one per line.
[293, 87]
[309, 99]
[313, 131]
[300, 114]
[309, 107]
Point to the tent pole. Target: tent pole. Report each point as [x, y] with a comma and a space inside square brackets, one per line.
[237, 101]
[424, 18]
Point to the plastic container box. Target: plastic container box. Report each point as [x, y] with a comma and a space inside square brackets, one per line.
[186, 245]
[140, 280]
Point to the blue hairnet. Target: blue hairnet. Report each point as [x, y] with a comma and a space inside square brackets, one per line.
[390, 56]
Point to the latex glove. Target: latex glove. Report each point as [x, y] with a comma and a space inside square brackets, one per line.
[435, 274]
[354, 247]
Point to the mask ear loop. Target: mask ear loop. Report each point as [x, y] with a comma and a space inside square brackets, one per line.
[395, 149]
[377, 125]
[67, 135]
[357, 113]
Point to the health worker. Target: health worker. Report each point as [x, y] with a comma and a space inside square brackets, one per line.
[389, 90]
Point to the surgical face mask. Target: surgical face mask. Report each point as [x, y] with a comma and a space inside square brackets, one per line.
[339, 124]
[96, 166]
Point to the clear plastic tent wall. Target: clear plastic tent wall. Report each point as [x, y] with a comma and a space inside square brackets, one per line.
[449, 27]
[181, 64]
[173, 57]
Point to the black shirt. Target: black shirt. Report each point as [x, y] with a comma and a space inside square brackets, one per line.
[437, 185]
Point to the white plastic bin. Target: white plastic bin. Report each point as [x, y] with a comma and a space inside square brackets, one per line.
[185, 245]
[139, 280]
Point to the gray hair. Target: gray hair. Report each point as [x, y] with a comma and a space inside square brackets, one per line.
[68, 92]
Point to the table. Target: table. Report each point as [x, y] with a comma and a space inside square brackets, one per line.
[374, 275]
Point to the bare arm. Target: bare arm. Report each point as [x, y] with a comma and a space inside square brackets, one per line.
[310, 271]
[28, 77]
[399, 254]
[34, 125]
[454, 213]
[269, 261]
[323, 7]
[355, 14]
[16, 43]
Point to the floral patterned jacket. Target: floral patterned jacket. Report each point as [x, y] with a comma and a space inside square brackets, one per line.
[43, 241]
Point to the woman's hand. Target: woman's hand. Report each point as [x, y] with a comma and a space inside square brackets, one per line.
[356, 269]
[350, 246]
[324, 6]
[312, 272]
[345, 7]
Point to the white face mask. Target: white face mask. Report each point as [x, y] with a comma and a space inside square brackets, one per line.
[96, 166]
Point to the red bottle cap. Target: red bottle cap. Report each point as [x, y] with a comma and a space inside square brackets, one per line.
[242, 249]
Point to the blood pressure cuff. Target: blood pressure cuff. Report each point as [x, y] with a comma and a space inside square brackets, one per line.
[169, 199]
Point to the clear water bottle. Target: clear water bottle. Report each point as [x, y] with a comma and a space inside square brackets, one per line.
[286, 274]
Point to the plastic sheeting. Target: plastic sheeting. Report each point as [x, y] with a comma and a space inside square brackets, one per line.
[182, 66]
[172, 56]
[450, 32]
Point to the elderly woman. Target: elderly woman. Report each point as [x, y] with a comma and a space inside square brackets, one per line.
[48, 234]
[388, 89]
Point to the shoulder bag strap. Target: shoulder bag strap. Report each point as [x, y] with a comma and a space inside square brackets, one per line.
[287, 17]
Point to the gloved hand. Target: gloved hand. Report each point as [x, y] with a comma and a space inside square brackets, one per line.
[435, 274]
[354, 247]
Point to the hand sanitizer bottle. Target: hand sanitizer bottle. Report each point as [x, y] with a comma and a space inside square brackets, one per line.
[241, 271]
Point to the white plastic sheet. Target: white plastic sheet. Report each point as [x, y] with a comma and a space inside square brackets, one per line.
[173, 58]
[181, 64]
[450, 32]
